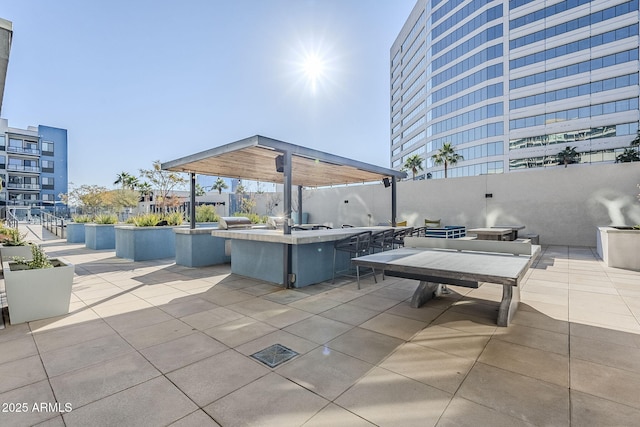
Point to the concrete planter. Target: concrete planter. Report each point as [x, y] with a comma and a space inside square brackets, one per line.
[8, 252]
[38, 294]
[145, 243]
[198, 248]
[75, 232]
[100, 236]
[619, 247]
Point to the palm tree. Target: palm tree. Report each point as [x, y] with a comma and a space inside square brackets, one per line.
[628, 155]
[145, 190]
[122, 179]
[446, 156]
[200, 191]
[131, 182]
[567, 156]
[414, 164]
[219, 185]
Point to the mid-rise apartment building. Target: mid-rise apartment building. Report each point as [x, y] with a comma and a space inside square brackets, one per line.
[33, 167]
[511, 83]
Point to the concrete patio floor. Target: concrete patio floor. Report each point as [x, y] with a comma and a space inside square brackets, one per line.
[152, 343]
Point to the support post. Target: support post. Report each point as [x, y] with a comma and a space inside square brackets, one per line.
[394, 205]
[287, 218]
[300, 204]
[192, 208]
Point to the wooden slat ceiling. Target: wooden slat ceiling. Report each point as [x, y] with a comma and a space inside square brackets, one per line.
[258, 163]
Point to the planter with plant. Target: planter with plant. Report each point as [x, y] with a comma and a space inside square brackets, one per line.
[619, 246]
[75, 229]
[13, 243]
[101, 233]
[149, 236]
[37, 288]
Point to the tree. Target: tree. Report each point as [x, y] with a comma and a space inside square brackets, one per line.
[122, 198]
[628, 155]
[219, 185]
[90, 197]
[164, 183]
[126, 180]
[446, 156]
[146, 191]
[413, 163]
[567, 156]
[200, 191]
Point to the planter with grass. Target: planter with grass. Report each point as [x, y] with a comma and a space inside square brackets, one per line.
[75, 229]
[101, 233]
[37, 288]
[149, 237]
[13, 244]
[619, 247]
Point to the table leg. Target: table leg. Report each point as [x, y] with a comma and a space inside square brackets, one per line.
[508, 305]
[425, 292]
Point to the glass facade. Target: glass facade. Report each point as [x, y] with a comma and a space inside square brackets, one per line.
[502, 80]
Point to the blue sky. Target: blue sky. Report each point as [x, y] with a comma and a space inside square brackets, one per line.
[138, 81]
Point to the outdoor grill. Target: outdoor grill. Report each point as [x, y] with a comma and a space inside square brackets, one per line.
[234, 223]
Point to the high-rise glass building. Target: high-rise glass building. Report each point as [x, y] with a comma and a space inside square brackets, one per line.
[511, 83]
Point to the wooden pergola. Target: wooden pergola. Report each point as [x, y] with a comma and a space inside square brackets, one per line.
[268, 160]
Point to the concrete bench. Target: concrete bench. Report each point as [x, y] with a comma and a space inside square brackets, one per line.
[516, 247]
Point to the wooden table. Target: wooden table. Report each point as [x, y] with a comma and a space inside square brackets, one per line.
[434, 267]
[491, 233]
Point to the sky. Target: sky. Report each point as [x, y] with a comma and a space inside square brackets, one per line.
[145, 80]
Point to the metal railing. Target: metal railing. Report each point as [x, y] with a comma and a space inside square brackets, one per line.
[54, 224]
[11, 219]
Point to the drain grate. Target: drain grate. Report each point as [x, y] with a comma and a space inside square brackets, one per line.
[274, 355]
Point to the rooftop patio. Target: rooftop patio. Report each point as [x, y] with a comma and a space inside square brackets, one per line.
[152, 343]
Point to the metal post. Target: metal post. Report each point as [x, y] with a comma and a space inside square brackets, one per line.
[286, 268]
[192, 209]
[394, 204]
[300, 204]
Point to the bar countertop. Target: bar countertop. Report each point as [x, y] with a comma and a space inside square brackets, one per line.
[297, 237]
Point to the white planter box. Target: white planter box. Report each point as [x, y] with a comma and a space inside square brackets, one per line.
[8, 252]
[38, 294]
[619, 248]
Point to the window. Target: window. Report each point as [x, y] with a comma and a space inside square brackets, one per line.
[47, 147]
[47, 166]
[47, 183]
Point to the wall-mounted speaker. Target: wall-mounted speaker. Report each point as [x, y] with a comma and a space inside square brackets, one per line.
[280, 163]
[386, 182]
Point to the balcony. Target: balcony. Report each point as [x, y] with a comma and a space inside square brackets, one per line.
[22, 168]
[22, 150]
[19, 186]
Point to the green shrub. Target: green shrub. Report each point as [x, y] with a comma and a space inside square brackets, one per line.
[12, 237]
[40, 259]
[206, 213]
[82, 219]
[153, 219]
[174, 218]
[146, 220]
[106, 219]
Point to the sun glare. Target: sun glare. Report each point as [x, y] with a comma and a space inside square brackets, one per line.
[313, 67]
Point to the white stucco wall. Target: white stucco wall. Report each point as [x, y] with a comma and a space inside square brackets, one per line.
[563, 205]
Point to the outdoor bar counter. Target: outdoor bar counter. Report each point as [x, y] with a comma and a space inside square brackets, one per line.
[260, 253]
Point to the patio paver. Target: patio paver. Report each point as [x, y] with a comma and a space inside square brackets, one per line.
[153, 343]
